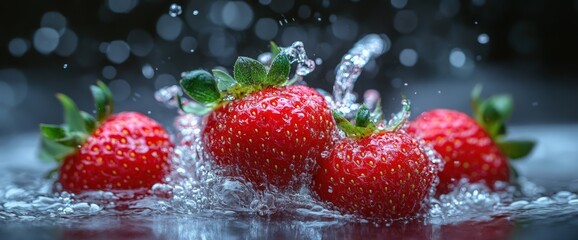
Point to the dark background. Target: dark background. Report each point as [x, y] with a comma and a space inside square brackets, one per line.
[531, 52]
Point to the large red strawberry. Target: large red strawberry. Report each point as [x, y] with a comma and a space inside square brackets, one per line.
[375, 173]
[125, 151]
[260, 127]
[474, 149]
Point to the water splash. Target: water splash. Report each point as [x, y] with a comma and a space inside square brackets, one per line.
[196, 187]
[168, 96]
[297, 54]
[175, 10]
[347, 72]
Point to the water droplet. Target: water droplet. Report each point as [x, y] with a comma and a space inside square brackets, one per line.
[408, 57]
[149, 112]
[148, 71]
[457, 58]
[265, 58]
[109, 72]
[46, 40]
[266, 28]
[18, 47]
[175, 10]
[117, 51]
[405, 84]
[65, 66]
[483, 38]
[330, 189]
[195, 12]
[318, 61]
[398, 3]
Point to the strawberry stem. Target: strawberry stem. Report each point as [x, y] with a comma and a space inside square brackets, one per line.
[72, 117]
[60, 141]
[362, 119]
[492, 115]
[103, 101]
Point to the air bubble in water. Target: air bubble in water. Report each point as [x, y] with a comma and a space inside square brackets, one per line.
[175, 10]
[195, 12]
[65, 66]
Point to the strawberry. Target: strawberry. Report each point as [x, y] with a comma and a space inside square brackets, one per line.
[125, 151]
[259, 126]
[474, 149]
[375, 172]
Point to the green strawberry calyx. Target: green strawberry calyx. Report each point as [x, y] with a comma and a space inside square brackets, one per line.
[59, 141]
[212, 89]
[368, 122]
[492, 114]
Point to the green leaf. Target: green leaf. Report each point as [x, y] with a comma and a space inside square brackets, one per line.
[362, 117]
[52, 132]
[275, 50]
[191, 108]
[53, 151]
[493, 114]
[515, 149]
[279, 71]
[72, 139]
[377, 114]
[108, 96]
[100, 102]
[224, 80]
[201, 86]
[490, 119]
[72, 117]
[249, 72]
[475, 98]
[350, 129]
[89, 121]
[503, 104]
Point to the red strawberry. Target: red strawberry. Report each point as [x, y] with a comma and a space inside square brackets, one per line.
[471, 149]
[375, 173]
[125, 151]
[267, 132]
